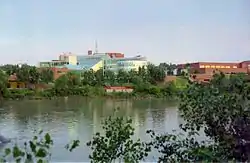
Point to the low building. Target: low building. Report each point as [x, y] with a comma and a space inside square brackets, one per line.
[14, 83]
[118, 89]
[204, 70]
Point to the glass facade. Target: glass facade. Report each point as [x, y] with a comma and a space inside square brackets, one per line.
[126, 64]
[88, 61]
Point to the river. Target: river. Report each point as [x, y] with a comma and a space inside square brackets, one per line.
[79, 118]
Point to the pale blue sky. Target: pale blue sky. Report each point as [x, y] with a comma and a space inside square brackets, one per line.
[162, 30]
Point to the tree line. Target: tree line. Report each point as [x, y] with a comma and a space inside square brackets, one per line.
[146, 80]
[27, 73]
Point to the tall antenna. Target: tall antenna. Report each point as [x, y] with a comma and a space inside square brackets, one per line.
[96, 47]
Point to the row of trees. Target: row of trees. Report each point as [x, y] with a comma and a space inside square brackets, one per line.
[220, 109]
[146, 79]
[169, 68]
[27, 73]
[151, 73]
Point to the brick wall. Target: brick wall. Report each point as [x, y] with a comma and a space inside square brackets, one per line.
[213, 70]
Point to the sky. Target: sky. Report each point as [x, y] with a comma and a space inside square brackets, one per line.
[174, 31]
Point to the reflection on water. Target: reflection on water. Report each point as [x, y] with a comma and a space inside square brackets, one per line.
[78, 117]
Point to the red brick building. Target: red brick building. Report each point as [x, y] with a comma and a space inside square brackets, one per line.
[204, 70]
[116, 55]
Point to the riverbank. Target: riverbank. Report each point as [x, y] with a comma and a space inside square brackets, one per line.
[89, 91]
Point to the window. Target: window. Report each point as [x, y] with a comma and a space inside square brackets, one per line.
[222, 67]
[234, 66]
[207, 66]
[227, 66]
[213, 66]
[217, 66]
[202, 66]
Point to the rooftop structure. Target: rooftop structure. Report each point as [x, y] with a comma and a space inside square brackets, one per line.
[64, 59]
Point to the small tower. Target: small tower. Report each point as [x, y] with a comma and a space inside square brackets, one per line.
[96, 47]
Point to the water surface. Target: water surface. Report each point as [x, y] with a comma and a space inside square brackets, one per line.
[79, 118]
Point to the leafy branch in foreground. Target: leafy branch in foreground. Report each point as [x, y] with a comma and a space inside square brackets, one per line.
[222, 109]
[180, 148]
[117, 143]
[36, 150]
[73, 145]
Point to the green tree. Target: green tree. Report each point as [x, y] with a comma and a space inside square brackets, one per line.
[36, 150]
[179, 148]
[156, 73]
[99, 77]
[169, 68]
[88, 78]
[27, 73]
[109, 77]
[67, 81]
[222, 109]
[122, 77]
[143, 73]
[3, 84]
[117, 143]
[62, 82]
[9, 69]
[46, 75]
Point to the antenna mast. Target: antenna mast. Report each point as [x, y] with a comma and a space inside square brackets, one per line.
[96, 47]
